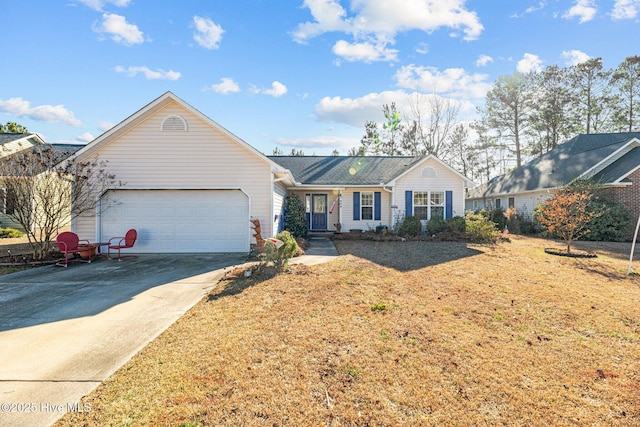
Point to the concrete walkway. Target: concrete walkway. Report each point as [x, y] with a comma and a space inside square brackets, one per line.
[65, 330]
[320, 250]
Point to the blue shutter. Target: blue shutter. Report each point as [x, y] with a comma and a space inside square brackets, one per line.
[448, 207]
[377, 206]
[408, 202]
[356, 206]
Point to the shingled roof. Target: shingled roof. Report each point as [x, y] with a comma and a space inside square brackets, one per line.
[567, 162]
[345, 170]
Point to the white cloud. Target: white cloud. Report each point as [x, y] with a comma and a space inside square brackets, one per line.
[356, 111]
[42, 113]
[529, 63]
[105, 125]
[277, 90]
[483, 60]
[583, 9]
[422, 48]
[531, 9]
[208, 34]
[625, 9]
[329, 16]
[575, 57]
[120, 30]
[365, 52]
[380, 21]
[455, 82]
[85, 137]
[148, 73]
[99, 4]
[226, 85]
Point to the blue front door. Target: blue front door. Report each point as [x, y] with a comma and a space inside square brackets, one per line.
[318, 212]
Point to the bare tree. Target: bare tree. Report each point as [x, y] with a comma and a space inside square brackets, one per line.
[424, 130]
[46, 194]
[433, 118]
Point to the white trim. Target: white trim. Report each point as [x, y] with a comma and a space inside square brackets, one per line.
[466, 180]
[602, 164]
[156, 105]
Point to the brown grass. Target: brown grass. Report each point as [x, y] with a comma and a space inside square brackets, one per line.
[391, 333]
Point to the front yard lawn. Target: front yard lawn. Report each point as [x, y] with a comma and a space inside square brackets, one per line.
[397, 333]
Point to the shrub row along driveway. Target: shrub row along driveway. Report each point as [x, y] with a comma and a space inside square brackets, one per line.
[63, 331]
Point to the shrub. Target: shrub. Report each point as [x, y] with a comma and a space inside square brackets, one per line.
[513, 220]
[436, 225]
[480, 228]
[614, 225]
[10, 232]
[457, 224]
[280, 256]
[498, 217]
[295, 218]
[410, 226]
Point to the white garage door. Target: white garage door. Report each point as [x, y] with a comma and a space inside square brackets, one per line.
[175, 221]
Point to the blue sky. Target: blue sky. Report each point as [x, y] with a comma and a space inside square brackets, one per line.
[302, 74]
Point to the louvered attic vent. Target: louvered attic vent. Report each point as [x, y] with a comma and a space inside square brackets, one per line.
[174, 123]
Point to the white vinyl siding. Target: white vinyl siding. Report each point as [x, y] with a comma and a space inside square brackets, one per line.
[365, 224]
[443, 181]
[279, 194]
[144, 157]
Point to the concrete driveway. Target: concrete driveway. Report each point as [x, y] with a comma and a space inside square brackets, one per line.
[63, 331]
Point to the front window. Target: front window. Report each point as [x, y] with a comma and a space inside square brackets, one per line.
[421, 205]
[7, 201]
[366, 205]
[427, 204]
[437, 204]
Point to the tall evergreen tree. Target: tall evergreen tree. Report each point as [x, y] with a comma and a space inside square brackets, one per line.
[508, 110]
[627, 79]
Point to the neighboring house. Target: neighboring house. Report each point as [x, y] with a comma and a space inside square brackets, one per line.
[611, 160]
[10, 145]
[192, 186]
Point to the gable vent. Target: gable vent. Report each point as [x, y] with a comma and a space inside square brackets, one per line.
[174, 123]
[429, 171]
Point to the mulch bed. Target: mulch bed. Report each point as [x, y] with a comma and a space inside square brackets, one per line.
[573, 254]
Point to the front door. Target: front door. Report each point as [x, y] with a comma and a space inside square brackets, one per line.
[319, 212]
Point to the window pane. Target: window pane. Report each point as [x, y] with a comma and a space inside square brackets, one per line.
[437, 211]
[420, 212]
[366, 199]
[420, 198]
[437, 198]
[367, 212]
[319, 204]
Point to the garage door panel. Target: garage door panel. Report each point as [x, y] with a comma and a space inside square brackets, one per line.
[179, 220]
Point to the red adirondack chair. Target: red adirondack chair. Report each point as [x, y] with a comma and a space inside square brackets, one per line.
[125, 242]
[68, 244]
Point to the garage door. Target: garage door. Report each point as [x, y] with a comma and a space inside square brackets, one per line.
[175, 221]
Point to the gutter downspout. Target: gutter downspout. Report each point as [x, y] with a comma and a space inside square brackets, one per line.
[393, 203]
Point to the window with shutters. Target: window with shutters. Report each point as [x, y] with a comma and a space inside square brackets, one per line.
[366, 205]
